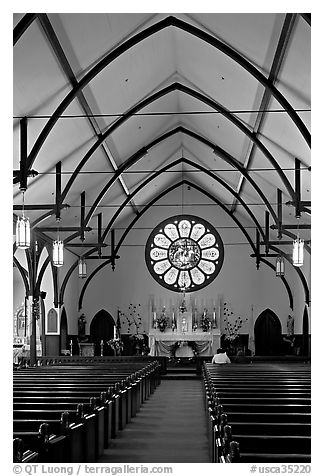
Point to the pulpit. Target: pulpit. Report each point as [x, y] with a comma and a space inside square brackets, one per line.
[86, 349]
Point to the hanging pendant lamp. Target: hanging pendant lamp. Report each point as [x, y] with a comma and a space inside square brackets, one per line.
[298, 252]
[58, 246]
[58, 253]
[280, 266]
[82, 267]
[23, 230]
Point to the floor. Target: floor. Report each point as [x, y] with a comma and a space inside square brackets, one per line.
[170, 427]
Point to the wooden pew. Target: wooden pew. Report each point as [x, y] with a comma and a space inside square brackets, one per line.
[265, 407]
[61, 388]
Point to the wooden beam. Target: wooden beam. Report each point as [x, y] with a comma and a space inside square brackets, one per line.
[279, 213]
[62, 228]
[297, 189]
[281, 242]
[292, 227]
[257, 241]
[23, 154]
[40, 206]
[112, 247]
[82, 215]
[86, 245]
[58, 176]
[266, 226]
[262, 255]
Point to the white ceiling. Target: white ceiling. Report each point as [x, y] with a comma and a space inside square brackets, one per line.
[169, 56]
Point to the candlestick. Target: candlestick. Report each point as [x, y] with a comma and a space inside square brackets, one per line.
[101, 348]
[154, 319]
[214, 319]
[71, 346]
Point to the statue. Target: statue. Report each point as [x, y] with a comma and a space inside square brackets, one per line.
[290, 326]
[81, 325]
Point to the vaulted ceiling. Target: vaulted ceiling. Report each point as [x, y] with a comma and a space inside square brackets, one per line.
[114, 98]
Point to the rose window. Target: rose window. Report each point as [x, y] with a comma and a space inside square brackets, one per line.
[184, 253]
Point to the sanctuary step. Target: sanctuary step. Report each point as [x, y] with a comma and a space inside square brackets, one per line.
[181, 370]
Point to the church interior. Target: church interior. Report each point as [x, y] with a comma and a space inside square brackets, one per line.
[161, 216]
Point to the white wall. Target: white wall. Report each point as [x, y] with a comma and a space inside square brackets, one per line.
[247, 291]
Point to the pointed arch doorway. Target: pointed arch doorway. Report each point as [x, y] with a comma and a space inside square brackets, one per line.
[102, 328]
[305, 341]
[63, 331]
[267, 334]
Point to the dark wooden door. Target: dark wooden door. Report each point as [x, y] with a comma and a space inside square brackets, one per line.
[305, 348]
[267, 334]
[102, 328]
[63, 331]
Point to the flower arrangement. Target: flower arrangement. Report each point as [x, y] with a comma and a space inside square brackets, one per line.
[162, 321]
[133, 318]
[205, 322]
[116, 345]
[232, 328]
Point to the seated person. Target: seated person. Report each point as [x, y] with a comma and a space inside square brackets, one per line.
[221, 357]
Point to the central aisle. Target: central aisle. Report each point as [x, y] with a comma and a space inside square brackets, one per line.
[170, 427]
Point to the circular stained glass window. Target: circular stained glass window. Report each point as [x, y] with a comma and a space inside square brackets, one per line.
[184, 252]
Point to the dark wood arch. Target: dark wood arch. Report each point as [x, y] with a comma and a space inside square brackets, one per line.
[63, 331]
[267, 334]
[102, 328]
[136, 39]
[23, 274]
[176, 86]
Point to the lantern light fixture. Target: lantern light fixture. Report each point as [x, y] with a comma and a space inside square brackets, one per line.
[82, 267]
[58, 247]
[298, 252]
[58, 253]
[280, 266]
[23, 229]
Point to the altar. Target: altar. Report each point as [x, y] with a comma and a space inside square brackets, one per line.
[160, 342]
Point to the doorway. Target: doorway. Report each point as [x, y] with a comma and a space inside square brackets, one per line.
[267, 334]
[102, 329]
[305, 346]
[63, 331]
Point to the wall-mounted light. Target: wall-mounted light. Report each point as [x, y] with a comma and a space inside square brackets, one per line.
[23, 229]
[280, 266]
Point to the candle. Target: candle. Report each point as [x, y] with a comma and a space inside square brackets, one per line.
[115, 335]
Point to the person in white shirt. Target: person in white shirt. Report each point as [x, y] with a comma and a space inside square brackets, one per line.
[221, 357]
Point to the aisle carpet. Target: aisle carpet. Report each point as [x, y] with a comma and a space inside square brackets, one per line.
[170, 427]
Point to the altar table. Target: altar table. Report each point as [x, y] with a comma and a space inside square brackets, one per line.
[212, 340]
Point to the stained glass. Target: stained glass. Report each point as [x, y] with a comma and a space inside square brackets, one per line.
[210, 253]
[207, 241]
[161, 266]
[171, 231]
[197, 276]
[197, 231]
[158, 253]
[162, 240]
[207, 267]
[184, 228]
[184, 252]
[171, 276]
[184, 280]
